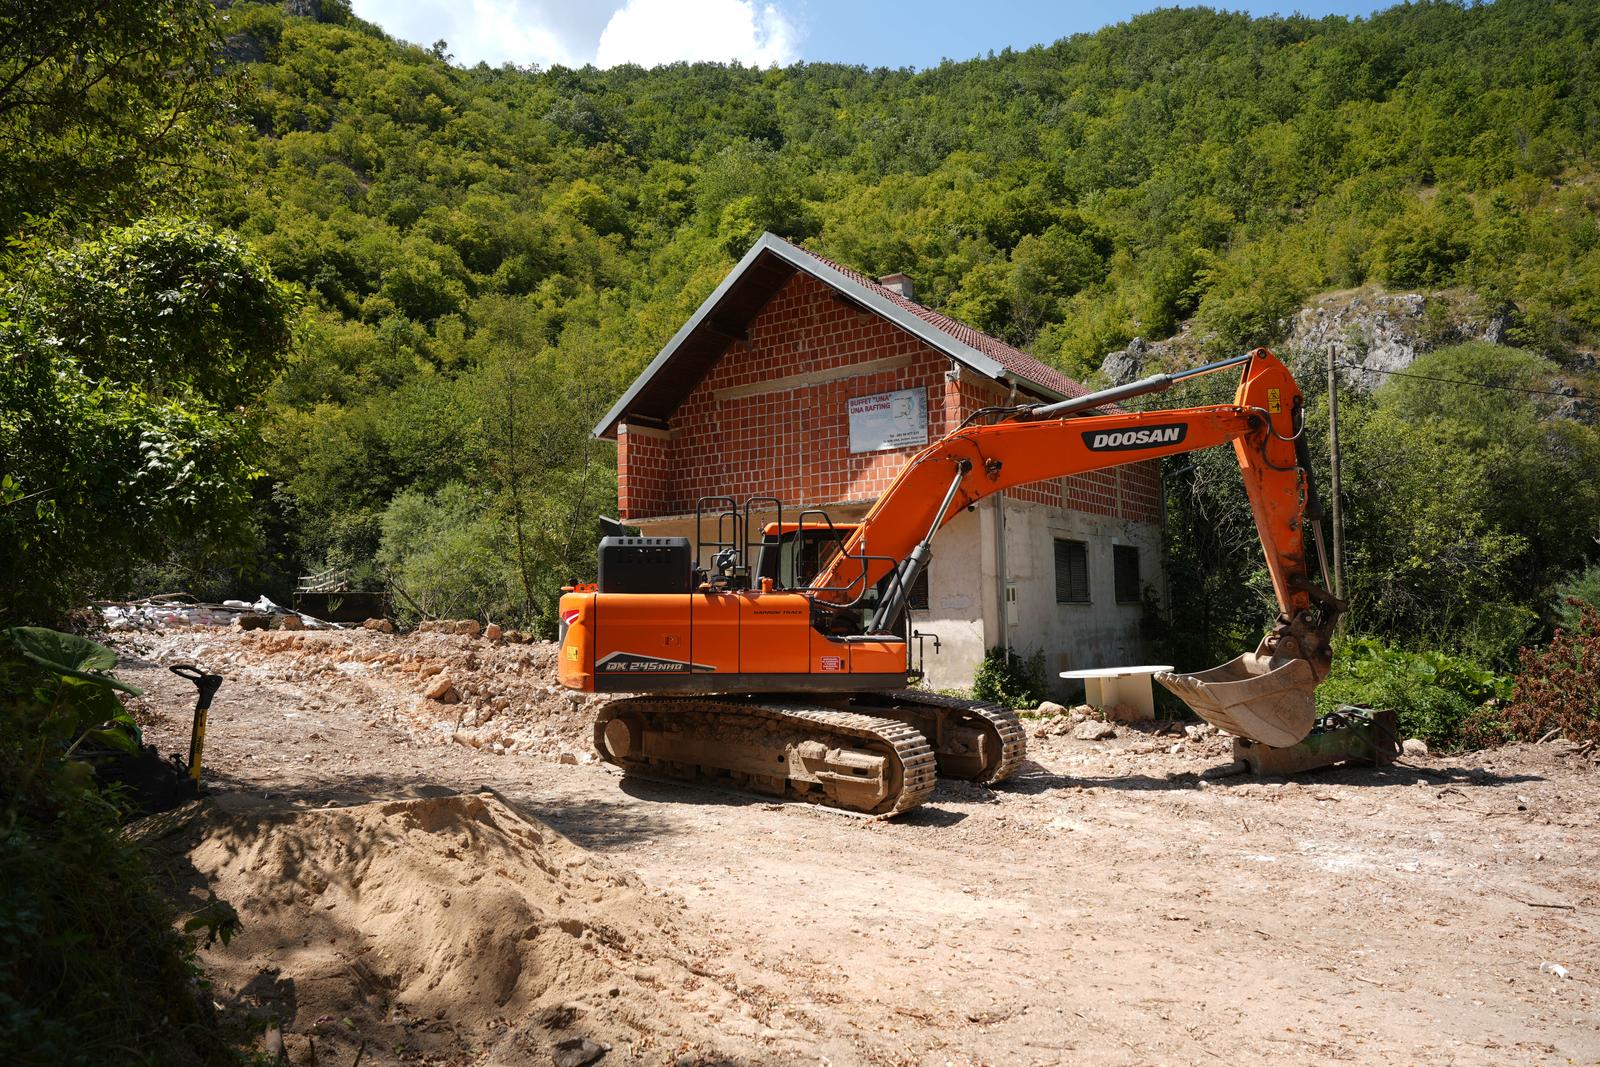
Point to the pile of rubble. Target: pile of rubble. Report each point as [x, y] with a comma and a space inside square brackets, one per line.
[1087, 723]
[489, 691]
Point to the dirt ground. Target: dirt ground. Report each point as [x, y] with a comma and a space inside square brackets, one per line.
[1108, 905]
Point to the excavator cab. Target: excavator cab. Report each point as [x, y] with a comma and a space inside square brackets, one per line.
[792, 553]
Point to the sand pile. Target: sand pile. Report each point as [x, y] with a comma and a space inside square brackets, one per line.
[500, 697]
[447, 927]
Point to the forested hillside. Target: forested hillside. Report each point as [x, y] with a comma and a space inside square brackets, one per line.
[485, 257]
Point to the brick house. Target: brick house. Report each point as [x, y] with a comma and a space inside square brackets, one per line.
[802, 380]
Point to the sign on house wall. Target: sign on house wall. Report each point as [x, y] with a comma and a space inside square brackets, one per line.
[889, 420]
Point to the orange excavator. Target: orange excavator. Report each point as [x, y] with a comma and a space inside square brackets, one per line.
[782, 665]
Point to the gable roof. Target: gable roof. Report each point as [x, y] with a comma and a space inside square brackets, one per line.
[765, 269]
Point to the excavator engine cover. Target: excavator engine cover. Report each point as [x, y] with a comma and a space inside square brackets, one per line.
[645, 565]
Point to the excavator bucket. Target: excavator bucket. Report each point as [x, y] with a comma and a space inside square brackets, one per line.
[1267, 699]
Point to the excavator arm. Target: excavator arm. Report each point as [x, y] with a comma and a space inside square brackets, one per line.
[1267, 695]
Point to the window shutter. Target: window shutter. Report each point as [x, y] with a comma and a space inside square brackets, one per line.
[1072, 572]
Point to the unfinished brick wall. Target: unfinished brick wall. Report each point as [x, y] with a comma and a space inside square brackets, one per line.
[733, 437]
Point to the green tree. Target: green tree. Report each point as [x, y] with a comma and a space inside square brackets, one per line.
[103, 106]
[126, 369]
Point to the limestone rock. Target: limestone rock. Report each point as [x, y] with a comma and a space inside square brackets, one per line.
[443, 690]
[1094, 730]
[1415, 746]
[468, 627]
[382, 626]
[1127, 365]
[1050, 707]
[492, 632]
[291, 622]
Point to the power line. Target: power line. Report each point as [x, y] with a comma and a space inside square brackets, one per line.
[1474, 385]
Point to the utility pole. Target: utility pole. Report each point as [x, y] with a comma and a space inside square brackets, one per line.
[1333, 487]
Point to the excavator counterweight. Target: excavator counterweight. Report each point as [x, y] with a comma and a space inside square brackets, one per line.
[781, 665]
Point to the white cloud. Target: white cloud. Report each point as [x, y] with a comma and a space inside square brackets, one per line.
[652, 32]
[500, 30]
[603, 32]
[545, 32]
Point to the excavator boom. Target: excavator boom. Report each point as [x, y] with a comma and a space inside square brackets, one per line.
[1267, 695]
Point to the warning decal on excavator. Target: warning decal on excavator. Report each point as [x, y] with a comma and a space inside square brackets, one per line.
[634, 663]
[1144, 437]
[1274, 401]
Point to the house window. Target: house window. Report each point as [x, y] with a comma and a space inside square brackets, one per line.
[916, 599]
[919, 592]
[1125, 568]
[1072, 572]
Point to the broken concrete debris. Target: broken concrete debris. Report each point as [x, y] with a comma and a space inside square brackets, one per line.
[181, 609]
[444, 687]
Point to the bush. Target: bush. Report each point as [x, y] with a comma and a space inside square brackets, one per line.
[91, 969]
[1558, 688]
[1440, 698]
[1007, 678]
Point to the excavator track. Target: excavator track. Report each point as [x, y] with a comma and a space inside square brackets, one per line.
[973, 741]
[834, 758]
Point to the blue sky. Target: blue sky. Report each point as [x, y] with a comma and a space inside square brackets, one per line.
[915, 33]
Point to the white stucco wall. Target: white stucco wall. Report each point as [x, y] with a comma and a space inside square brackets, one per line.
[965, 593]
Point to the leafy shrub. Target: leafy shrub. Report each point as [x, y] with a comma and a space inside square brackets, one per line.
[1438, 697]
[1558, 687]
[1421, 246]
[1247, 302]
[1010, 679]
[91, 970]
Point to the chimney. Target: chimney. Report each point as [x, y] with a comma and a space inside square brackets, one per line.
[898, 283]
